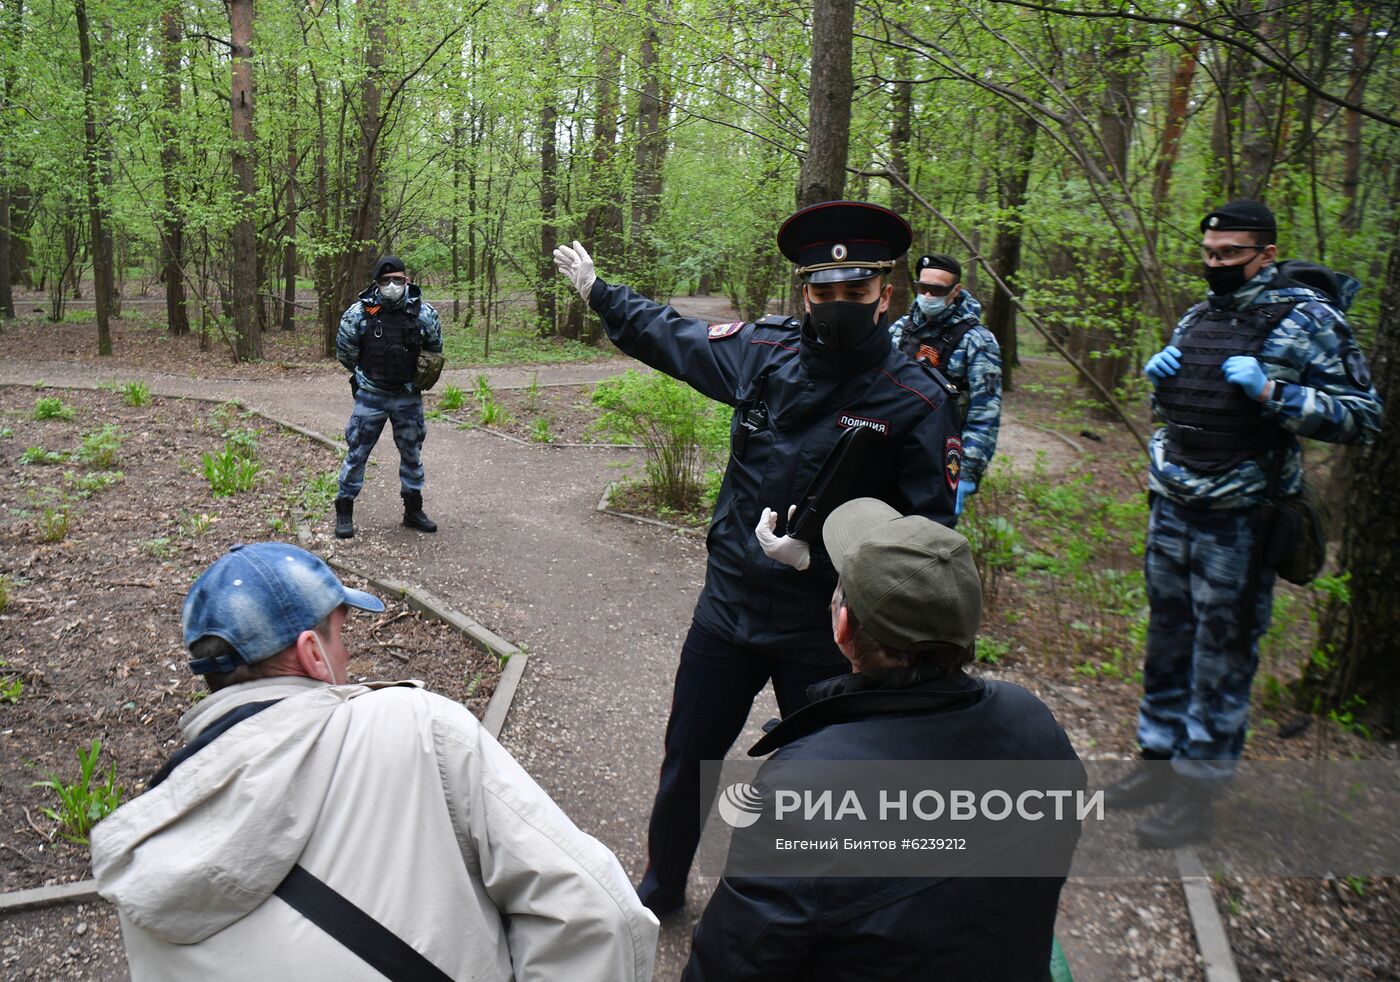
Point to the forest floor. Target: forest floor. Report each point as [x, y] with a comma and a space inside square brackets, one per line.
[601, 604]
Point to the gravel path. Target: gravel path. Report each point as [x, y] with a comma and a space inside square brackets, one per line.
[600, 603]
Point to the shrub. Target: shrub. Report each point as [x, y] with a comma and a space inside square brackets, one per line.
[99, 448]
[51, 407]
[680, 429]
[231, 470]
[84, 803]
[452, 399]
[136, 393]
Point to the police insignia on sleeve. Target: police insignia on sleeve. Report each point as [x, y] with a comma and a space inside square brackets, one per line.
[1358, 372]
[952, 460]
[719, 332]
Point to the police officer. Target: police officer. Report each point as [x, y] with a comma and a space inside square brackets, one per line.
[380, 337]
[944, 328]
[1265, 359]
[795, 385]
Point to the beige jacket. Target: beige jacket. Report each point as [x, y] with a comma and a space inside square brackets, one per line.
[396, 798]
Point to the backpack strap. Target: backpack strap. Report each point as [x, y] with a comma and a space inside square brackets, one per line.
[364, 936]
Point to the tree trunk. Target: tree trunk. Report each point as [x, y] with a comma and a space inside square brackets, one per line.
[1262, 106]
[823, 173]
[1361, 670]
[324, 267]
[289, 231]
[1006, 251]
[243, 241]
[11, 27]
[1178, 107]
[172, 228]
[546, 303]
[101, 238]
[368, 200]
[901, 132]
[651, 155]
[1351, 166]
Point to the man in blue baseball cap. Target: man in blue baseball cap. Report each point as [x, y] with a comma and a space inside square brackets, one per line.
[796, 384]
[315, 828]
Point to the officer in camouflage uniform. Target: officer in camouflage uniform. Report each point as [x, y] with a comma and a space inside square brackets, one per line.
[1265, 359]
[379, 340]
[944, 328]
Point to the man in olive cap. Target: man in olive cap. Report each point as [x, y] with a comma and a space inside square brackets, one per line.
[380, 337]
[904, 615]
[796, 384]
[1266, 358]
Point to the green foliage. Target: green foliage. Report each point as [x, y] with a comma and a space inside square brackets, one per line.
[452, 399]
[136, 393]
[196, 525]
[87, 485]
[680, 429]
[492, 412]
[6, 432]
[38, 455]
[99, 448]
[991, 651]
[85, 801]
[539, 430]
[53, 523]
[6, 583]
[52, 407]
[532, 393]
[319, 493]
[160, 547]
[232, 470]
[11, 688]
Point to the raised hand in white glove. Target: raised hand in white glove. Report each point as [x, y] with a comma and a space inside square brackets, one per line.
[577, 265]
[794, 552]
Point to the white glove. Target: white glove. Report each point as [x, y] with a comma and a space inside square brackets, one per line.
[577, 265]
[794, 552]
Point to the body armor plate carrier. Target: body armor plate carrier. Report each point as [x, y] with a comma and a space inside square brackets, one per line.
[389, 348]
[1212, 425]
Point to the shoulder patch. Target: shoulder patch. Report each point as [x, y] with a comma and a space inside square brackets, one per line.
[775, 320]
[952, 460]
[719, 332]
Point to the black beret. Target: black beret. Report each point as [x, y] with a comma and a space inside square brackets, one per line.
[843, 240]
[388, 264]
[938, 261]
[1240, 215]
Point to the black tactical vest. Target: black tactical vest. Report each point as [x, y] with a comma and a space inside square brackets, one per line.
[938, 350]
[1212, 424]
[389, 347]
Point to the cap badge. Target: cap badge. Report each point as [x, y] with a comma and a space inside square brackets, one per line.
[838, 252]
[1214, 221]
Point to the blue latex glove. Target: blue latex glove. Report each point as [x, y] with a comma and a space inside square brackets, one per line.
[1246, 372]
[1163, 364]
[965, 489]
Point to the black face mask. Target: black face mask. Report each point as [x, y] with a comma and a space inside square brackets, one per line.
[843, 325]
[1225, 280]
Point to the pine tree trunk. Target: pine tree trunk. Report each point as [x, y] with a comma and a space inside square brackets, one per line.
[243, 241]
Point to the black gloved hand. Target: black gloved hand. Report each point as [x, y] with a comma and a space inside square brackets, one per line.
[354, 386]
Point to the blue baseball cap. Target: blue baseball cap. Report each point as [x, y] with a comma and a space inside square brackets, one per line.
[259, 598]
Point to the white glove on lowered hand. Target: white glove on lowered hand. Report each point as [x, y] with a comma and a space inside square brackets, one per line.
[577, 265]
[794, 552]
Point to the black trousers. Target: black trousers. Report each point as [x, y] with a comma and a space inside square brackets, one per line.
[715, 688]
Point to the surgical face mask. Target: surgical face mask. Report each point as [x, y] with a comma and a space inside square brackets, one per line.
[1224, 280]
[843, 325]
[392, 291]
[931, 305]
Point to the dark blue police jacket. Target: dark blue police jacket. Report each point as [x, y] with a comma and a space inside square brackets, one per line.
[841, 929]
[811, 394]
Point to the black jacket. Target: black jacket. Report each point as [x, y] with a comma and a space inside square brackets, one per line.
[811, 395]
[833, 929]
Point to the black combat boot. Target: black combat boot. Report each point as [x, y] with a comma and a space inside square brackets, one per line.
[344, 518]
[413, 515]
[1185, 818]
[1150, 783]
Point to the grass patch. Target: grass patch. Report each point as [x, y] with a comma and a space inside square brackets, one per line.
[510, 346]
[52, 407]
[86, 801]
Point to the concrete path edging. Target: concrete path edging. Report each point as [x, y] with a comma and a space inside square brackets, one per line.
[1218, 961]
[604, 508]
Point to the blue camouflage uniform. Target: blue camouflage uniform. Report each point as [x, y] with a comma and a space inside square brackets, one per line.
[401, 405]
[1203, 529]
[974, 366]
